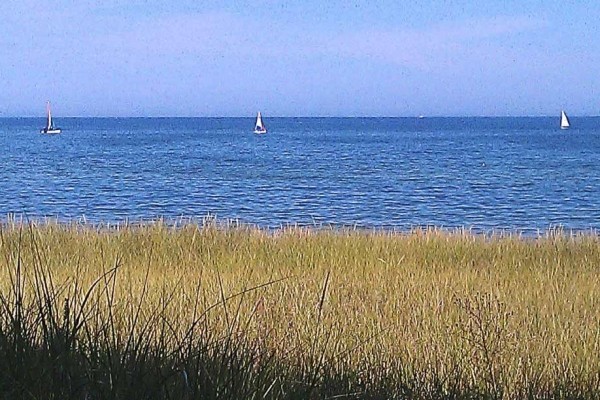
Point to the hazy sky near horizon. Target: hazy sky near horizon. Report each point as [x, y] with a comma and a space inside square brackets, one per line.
[299, 57]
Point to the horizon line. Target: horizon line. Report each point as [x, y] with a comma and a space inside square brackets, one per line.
[300, 116]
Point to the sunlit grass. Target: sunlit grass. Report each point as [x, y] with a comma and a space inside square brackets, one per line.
[237, 312]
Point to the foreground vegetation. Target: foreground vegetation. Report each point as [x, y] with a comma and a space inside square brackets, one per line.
[196, 311]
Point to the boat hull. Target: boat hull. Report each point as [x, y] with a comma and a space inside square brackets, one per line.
[50, 131]
[260, 132]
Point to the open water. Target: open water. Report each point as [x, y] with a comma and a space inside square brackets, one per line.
[518, 174]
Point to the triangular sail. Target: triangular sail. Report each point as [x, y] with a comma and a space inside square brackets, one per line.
[49, 127]
[564, 120]
[259, 124]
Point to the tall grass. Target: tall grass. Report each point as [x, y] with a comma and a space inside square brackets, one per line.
[205, 311]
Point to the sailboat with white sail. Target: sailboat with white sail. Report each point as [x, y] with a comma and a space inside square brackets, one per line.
[259, 127]
[564, 121]
[49, 127]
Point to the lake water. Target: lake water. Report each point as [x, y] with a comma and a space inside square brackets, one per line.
[520, 174]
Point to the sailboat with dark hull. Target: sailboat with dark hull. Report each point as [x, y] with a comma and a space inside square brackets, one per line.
[259, 127]
[49, 129]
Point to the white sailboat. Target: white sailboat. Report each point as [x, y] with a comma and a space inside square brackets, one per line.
[564, 121]
[49, 127]
[259, 127]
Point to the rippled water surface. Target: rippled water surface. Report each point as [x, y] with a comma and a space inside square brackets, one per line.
[482, 173]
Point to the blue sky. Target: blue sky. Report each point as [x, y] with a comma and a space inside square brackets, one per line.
[299, 58]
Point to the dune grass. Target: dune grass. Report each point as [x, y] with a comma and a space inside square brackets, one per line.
[206, 311]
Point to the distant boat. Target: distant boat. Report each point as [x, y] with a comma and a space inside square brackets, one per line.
[49, 127]
[259, 127]
[564, 121]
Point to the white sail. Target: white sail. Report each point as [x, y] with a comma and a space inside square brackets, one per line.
[259, 123]
[259, 127]
[49, 124]
[564, 121]
[49, 128]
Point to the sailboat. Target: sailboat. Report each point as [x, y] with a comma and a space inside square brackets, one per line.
[259, 127]
[564, 121]
[49, 127]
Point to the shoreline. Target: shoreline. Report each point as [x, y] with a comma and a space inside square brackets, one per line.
[225, 224]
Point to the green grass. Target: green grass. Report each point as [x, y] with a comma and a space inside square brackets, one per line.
[234, 312]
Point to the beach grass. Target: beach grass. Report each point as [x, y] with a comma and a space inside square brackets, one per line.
[215, 311]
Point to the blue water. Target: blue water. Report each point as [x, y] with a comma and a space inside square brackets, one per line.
[520, 174]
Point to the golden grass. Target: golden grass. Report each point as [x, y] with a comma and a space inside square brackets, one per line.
[423, 312]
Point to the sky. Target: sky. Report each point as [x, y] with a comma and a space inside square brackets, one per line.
[299, 58]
